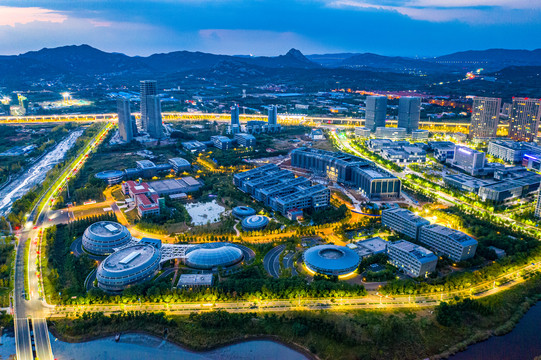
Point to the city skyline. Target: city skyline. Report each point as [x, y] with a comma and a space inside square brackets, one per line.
[263, 28]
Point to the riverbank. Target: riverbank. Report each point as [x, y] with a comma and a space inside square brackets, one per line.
[107, 333]
[374, 334]
[293, 346]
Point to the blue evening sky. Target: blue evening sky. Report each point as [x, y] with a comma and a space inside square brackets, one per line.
[271, 27]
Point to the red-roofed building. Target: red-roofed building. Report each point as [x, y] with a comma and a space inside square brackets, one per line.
[146, 199]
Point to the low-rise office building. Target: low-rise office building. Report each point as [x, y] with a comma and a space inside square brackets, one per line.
[512, 151]
[280, 190]
[403, 221]
[376, 183]
[419, 135]
[180, 164]
[222, 142]
[362, 132]
[469, 160]
[413, 260]
[246, 140]
[510, 189]
[404, 155]
[391, 133]
[349, 170]
[466, 182]
[451, 243]
[194, 146]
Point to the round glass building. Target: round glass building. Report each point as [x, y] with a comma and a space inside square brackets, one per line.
[128, 266]
[102, 237]
[240, 212]
[255, 222]
[111, 176]
[331, 259]
[213, 255]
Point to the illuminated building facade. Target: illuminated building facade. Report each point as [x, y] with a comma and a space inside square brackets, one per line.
[485, 117]
[524, 119]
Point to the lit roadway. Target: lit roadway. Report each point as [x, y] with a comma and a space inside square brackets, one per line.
[31, 313]
[31, 333]
[371, 301]
[225, 117]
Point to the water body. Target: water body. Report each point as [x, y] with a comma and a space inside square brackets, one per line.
[142, 347]
[36, 174]
[523, 342]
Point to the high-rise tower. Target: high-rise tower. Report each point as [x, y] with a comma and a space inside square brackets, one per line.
[376, 111]
[272, 115]
[485, 117]
[409, 113]
[524, 119]
[154, 116]
[125, 126]
[147, 88]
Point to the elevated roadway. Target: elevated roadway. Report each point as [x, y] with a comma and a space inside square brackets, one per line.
[291, 119]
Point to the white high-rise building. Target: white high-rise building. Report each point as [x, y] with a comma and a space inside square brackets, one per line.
[524, 119]
[376, 111]
[154, 116]
[485, 117]
[235, 116]
[272, 115]
[409, 113]
[147, 88]
[125, 126]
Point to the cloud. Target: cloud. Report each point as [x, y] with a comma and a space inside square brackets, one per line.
[468, 11]
[11, 16]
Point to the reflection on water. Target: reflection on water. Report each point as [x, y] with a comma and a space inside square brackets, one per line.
[524, 342]
[137, 346]
[36, 174]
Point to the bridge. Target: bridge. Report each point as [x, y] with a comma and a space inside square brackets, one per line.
[285, 119]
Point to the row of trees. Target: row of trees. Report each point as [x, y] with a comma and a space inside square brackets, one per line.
[64, 273]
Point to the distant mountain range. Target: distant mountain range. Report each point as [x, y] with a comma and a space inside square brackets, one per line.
[85, 64]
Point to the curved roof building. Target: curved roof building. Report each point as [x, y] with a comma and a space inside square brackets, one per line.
[331, 259]
[213, 255]
[254, 222]
[128, 266]
[102, 237]
[111, 176]
[241, 212]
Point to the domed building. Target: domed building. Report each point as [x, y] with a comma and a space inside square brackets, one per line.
[128, 266]
[331, 259]
[241, 212]
[102, 237]
[254, 222]
[213, 255]
[111, 176]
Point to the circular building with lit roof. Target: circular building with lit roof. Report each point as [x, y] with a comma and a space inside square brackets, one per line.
[128, 266]
[331, 259]
[102, 237]
[254, 222]
[241, 212]
[213, 255]
[111, 176]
